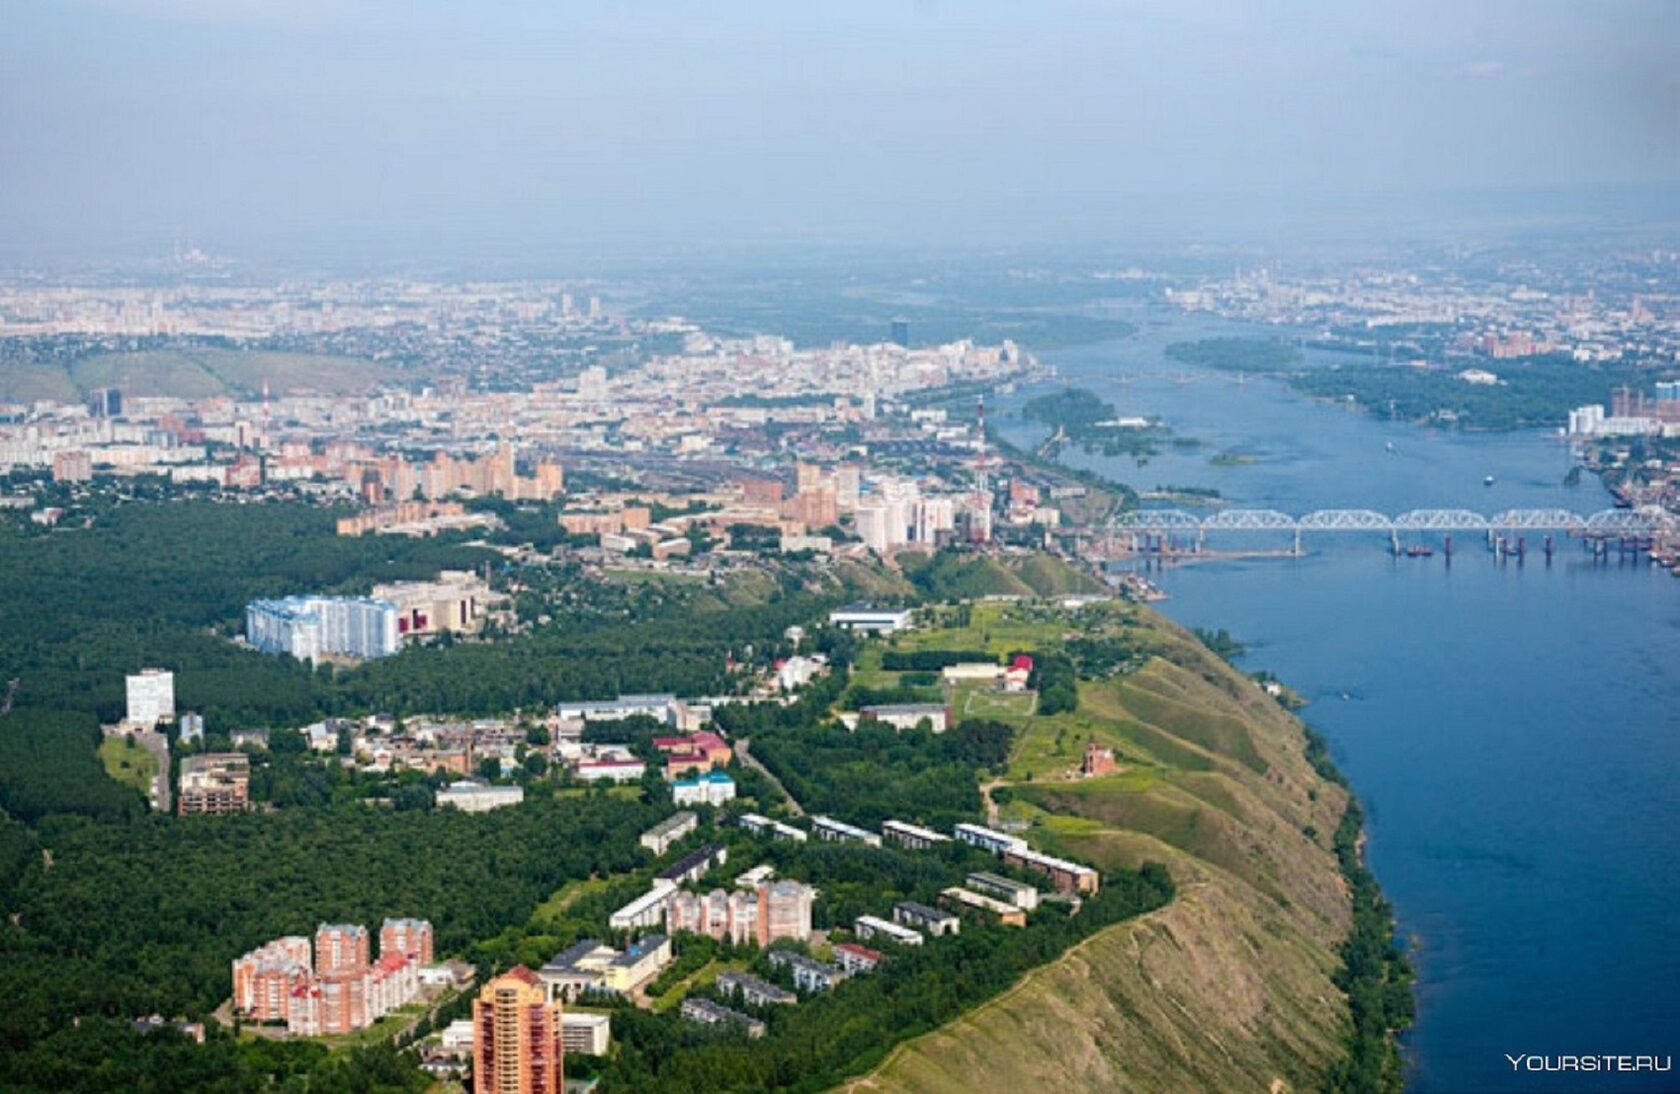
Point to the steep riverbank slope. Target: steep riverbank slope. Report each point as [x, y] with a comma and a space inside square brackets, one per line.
[1230, 986]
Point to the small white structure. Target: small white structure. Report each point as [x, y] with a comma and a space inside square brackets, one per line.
[472, 796]
[869, 619]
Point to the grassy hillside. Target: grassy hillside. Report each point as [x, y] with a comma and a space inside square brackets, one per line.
[1230, 986]
[953, 575]
[193, 372]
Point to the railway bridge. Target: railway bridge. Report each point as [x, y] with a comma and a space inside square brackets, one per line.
[1152, 529]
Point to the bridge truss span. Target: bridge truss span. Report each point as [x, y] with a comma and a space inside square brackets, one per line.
[1440, 520]
[1518, 520]
[1346, 520]
[1249, 520]
[1609, 523]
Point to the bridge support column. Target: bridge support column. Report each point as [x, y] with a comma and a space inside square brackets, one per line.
[1297, 543]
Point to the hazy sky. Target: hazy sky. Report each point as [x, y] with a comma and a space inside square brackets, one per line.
[300, 124]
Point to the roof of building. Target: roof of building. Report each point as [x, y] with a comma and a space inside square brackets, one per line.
[860, 951]
[904, 708]
[521, 974]
[715, 777]
[923, 911]
[701, 857]
[674, 821]
[572, 954]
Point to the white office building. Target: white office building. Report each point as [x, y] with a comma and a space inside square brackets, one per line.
[151, 697]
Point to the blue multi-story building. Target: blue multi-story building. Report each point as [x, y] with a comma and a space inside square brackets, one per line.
[311, 627]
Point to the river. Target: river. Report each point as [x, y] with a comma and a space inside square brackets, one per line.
[1513, 729]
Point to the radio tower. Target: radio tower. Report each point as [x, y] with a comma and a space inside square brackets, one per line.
[981, 531]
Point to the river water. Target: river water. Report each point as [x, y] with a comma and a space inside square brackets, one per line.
[1513, 730]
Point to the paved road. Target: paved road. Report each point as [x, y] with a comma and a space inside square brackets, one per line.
[743, 750]
[158, 745]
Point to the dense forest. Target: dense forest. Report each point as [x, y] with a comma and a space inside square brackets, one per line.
[877, 773]
[166, 586]
[1083, 417]
[144, 917]
[1538, 391]
[1237, 354]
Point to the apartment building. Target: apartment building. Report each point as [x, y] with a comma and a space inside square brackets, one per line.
[214, 783]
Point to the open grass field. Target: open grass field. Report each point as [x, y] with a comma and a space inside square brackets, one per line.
[566, 896]
[129, 764]
[996, 627]
[985, 701]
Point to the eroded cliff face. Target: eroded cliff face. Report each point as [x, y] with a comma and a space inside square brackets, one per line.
[1228, 987]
